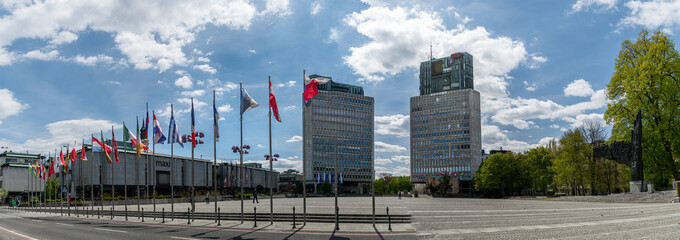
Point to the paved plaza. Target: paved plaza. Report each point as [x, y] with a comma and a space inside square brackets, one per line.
[463, 218]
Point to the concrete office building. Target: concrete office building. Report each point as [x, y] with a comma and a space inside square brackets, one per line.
[339, 123]
[15, 177]
[446, 122]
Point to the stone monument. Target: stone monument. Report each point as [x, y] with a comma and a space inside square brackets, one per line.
[629, 153]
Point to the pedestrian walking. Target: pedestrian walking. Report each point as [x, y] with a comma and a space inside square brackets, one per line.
[399, 195]
[255, 195]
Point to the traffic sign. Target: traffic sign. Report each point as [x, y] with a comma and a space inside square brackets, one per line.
[64, 189]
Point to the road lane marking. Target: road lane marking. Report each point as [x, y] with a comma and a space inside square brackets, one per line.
[111, 230]
[64, 224]
[183, 238]
[37, 220]
[17, 234]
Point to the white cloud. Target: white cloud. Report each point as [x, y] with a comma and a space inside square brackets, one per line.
[9, 105]
[40, 55]
[653, 14]
[401, 159]
[530, 87]
[221, 87]
[277, 7]
[206, 68]
[260, 146]
[397, 125]
[287, 108]
[62, 132]
[113, 82]
[286, 84]
[535, 60]
[315, 7]
[194, 93]
[203, 59]
[6, 58]
[151, 34]
[544, 141]
[494, 138]
[93, 60]
[579, 88]
[400, 38]
[184, 81]
[64, 37]
[225, 108]
[578, 120]
[294, 139]
[397, 171]
[252, 51]
[580, 5]
[386, 147]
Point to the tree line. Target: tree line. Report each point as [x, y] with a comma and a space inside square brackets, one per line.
[646, 79]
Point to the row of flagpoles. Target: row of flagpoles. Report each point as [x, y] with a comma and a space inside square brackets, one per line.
[246, 103]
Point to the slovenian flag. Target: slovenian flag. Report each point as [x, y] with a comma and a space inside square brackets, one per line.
[158, 136]
[193, 126]
[312, 86]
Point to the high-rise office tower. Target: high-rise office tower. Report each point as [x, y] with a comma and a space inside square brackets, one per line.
[339, 123]
[446, 122]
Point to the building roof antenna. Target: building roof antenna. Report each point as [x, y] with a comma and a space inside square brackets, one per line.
[431, 56]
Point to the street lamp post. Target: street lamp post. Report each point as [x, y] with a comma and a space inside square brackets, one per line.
[242, 150]
[271, 159]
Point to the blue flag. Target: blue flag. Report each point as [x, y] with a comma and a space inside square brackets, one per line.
[216, 116]
[247, 102]
[173, 132]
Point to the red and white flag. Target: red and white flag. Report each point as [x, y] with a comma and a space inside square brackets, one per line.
[272, 102]
[312, 86]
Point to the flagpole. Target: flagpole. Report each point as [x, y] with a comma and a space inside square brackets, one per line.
[68, 188]
[216, 131]
[304, 154]
[146, 170]
[193, 189]
[271, 160]
[172, 170]
[139, 138]
[92, 177]
[113, 185]
[241, 149]
[101, 171]
[80, 170]
[61, 176]
[125, 170]
[153, 159]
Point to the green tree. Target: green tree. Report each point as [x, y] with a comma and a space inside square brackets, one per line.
[444, 184]
[494, 175]
[647, 78]
[571, 166]
[326, 187]
[539, 162]
[52, 188]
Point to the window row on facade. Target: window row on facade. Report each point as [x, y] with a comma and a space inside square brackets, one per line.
[439, 113]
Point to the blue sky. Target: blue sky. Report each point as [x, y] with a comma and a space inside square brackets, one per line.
[72, 68]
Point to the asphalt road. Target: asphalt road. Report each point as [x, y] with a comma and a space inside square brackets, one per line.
[15, 225]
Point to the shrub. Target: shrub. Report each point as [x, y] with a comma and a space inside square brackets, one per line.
[415, 193]
[245, 196]
[559, 194]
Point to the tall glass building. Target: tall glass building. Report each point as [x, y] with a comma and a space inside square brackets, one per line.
[446, 122]
[339, 123]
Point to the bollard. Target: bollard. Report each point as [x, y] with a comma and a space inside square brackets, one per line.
[389, 219]
[293, 217]
[188, 215]
[111, 213]
[337, 218]
[99, 212]
[142, 214]
[76, 211]
[87, 213]
[219, 217]
[126, 213]
[255, 215]
[69, 211]
[163, 215]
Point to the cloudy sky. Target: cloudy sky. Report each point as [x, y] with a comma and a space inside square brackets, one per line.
[72, 68]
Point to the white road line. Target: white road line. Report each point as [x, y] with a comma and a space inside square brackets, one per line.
[183, 238]
[37, 220]
[17, 234]
[111, 230]
[64, 224]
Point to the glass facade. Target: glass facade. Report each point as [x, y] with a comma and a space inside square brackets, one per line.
[445, 74]
[339, 121]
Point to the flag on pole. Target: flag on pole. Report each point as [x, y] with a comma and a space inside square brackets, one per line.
[318, 177]
[106, 148]
[174, 132]
[74, 155]
[61, 157]
[340, 178]
[145, 127]
[129, 136]
[98, 146]
[193, 126]
[52, 165]
[115, 145]
[83, 157]
[216, 117]
[312, 86]
[158, 136]
[247, 102]
[272, 103]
